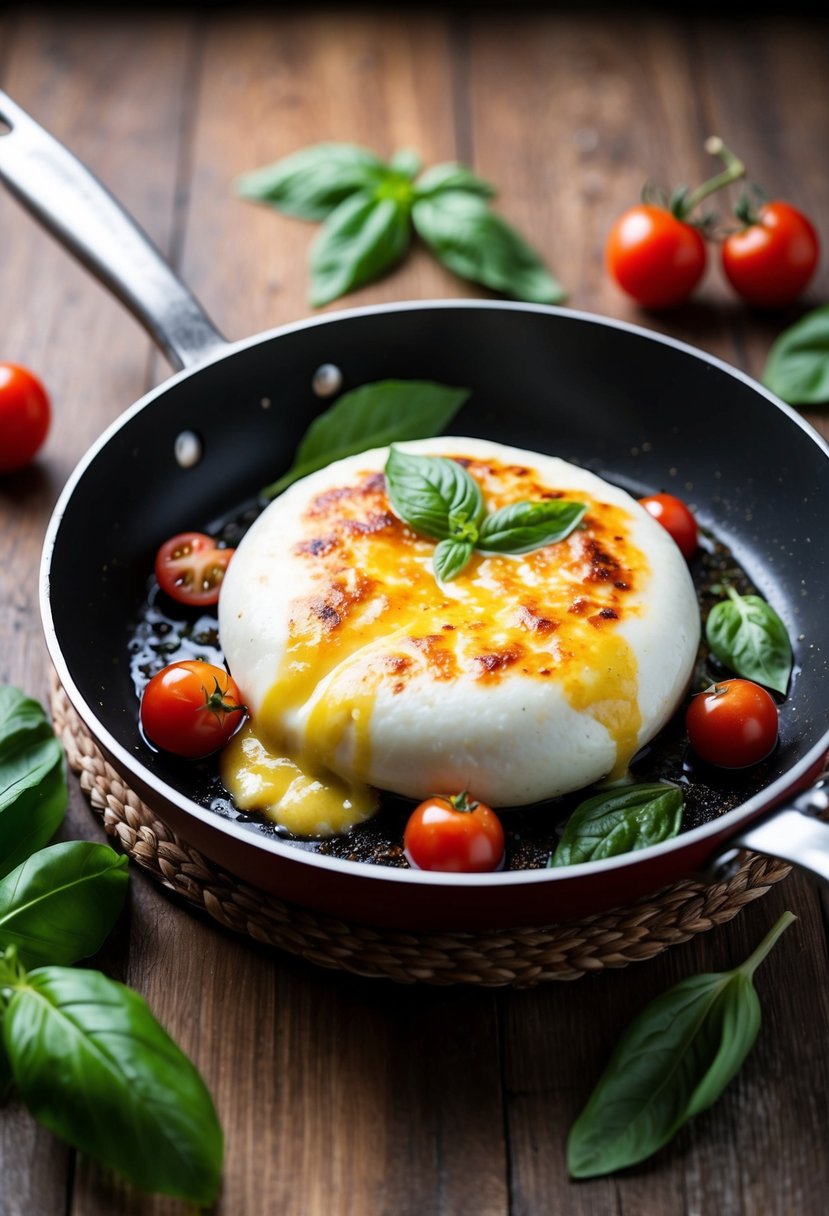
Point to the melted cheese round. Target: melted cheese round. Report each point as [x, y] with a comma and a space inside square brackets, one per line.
[523, 678]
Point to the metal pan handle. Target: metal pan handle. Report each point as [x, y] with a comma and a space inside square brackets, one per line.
[793, 833]
[76, 208]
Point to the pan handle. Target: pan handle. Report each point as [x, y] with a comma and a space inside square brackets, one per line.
[792, 832]
[76, 208]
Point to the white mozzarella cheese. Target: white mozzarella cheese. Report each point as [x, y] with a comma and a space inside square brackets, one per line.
[524, 678]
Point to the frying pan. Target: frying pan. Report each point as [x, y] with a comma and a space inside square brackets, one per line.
[640, 409]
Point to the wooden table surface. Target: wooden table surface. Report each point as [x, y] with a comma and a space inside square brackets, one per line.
[341, 1096]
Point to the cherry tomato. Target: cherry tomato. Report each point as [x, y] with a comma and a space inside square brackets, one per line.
[770, 262]
[454, 834]
[191, 708]
[655, 257]
[190, 568]
[25, 415]
[676, 519]
[732, 724]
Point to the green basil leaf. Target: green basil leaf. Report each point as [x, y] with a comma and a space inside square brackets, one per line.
[361, 239]
[33, 792]
[477, 244]
[406, 162]
[433, 495]
[450, 176]
[450, 558]
[10, 972]
[672, 1062]
[524, 526]
[746, 634]
[373, 416]
[620, 821]
[798, 364]
[61, 904]
[94, 1066]
[310, 183]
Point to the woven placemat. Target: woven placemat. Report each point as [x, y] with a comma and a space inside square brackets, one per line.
[521, 957]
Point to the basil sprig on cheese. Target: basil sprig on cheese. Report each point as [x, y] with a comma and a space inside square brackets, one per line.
[438, 498]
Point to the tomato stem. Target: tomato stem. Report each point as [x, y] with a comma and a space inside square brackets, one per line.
[462, 802]
[216, 704]
[733, 171]
[748, 205]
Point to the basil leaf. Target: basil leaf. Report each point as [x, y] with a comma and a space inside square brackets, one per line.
[361, 239]
[373, 416]
[33, 792]
[450, 176]
[798, 364]
[672, 1062]
[620, 821]
[450, 558]
[11, 971]
[434, 495]
[523, 526]
[62, 903]
[746, 634]
[406, 162]
[94, 1066]
[310, 183]
[477, 244]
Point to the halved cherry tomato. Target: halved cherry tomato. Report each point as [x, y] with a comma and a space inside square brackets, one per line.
[190, 568]
[655, 257]
[771, 260]
[676, 519]
[191, 708]
[733, 724]
[454, 834]
[25, 415]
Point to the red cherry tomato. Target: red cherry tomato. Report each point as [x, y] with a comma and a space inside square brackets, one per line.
[732, 724]
[25, 415]
[190, 568]
[455, 835]
[191, 708]
[654, 257]
[676, 519]
[770, 262]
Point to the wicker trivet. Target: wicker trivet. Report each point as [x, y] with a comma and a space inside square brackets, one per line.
[522, 957]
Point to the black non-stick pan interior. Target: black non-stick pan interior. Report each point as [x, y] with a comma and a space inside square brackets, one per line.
[644, 412]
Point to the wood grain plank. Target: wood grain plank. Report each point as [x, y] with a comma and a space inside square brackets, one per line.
[274, 86]
[112, 92]
[757, 1150]
[337, 1097]
[775, 70]
[572, 137]
[88, 351]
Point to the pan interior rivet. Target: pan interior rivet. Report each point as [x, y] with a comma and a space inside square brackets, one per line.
[188, 449]
[327, 380]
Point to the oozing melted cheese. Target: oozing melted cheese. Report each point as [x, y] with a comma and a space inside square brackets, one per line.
[370, 634]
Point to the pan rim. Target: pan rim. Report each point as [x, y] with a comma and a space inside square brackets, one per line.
[129, 764]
